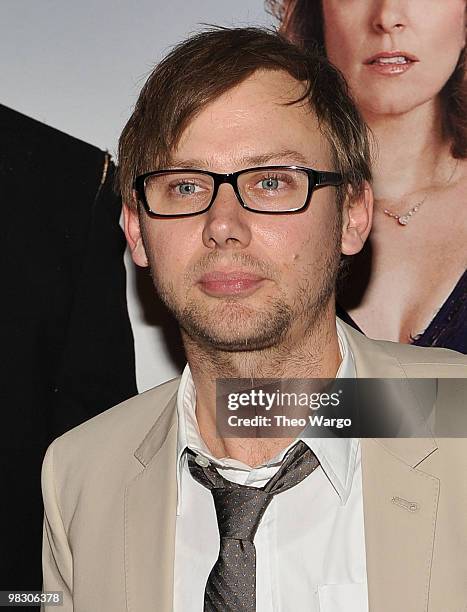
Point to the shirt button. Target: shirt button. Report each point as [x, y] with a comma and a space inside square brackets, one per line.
[202, 461]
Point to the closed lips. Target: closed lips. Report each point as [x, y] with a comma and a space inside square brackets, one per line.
[229, 276]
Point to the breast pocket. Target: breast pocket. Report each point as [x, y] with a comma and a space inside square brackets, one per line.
[343, 597]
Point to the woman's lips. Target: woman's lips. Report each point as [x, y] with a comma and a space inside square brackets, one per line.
[229, 283]
[391, 63]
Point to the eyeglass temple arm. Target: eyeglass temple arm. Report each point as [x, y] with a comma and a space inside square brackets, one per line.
[328, 178]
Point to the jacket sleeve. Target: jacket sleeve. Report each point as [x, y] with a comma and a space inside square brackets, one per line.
[57, 561]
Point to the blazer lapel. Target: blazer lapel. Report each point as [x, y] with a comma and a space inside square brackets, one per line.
[150, 513]
[400, 505]
[399, 499]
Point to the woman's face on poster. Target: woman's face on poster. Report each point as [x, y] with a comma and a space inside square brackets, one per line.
[395, 54]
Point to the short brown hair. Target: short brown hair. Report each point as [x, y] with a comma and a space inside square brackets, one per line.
[302, 22]
[210, 63]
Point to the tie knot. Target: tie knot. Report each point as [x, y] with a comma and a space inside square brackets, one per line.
[239, 511]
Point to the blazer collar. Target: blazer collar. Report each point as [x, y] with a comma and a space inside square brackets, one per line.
[371, 361]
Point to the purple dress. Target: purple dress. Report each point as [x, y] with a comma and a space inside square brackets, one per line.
[448, 328]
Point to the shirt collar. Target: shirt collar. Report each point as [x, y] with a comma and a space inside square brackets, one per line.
[337, 456]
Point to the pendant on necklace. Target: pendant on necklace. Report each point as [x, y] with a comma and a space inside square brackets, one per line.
[405, 218]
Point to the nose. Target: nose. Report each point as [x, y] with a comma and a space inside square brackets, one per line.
[227, 222]
[389, 16]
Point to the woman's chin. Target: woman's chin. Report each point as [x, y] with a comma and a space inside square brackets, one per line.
[385, 104]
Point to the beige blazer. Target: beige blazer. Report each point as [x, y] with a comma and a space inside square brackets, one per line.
[109, 489]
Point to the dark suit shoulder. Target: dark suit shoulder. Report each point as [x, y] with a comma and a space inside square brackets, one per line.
[18, 128]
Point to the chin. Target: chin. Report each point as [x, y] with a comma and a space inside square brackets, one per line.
[242, 344]
[396, 100]
[233, 326]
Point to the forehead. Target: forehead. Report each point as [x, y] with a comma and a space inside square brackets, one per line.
[255, 119]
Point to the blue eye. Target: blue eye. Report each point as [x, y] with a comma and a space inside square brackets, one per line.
[186, 188]
[270, 183]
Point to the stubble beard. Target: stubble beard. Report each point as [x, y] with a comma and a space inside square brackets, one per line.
[230, 325]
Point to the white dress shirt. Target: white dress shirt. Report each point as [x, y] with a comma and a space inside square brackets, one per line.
[310, 544]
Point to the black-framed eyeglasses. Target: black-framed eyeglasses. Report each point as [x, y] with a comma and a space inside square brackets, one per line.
[268, 189]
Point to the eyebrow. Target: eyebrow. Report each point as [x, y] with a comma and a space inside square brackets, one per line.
[246, 161]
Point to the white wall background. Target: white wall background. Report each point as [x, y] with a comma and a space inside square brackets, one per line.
[78, 65]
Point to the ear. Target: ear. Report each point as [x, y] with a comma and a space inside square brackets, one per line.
[132, 228]
[357, 218]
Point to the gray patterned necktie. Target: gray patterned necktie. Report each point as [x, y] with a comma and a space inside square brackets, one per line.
[231, 585]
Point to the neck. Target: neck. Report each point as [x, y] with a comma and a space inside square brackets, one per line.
[412, 153]
[311, 354]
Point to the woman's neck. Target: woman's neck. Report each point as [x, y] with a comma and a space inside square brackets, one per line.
[411, 152]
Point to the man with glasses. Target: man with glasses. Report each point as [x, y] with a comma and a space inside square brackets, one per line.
[245, 169]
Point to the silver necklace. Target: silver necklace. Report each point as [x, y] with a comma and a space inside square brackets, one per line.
[405, 217]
